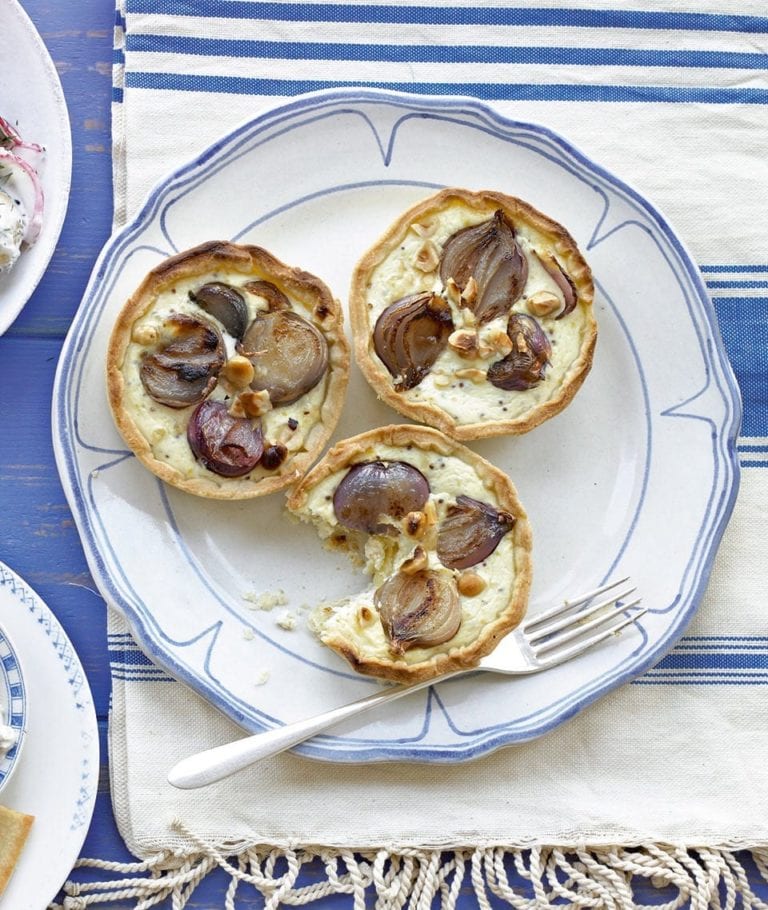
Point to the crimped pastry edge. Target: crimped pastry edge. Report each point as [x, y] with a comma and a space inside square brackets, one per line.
[247, 259]
[379, 377]
[346, 453]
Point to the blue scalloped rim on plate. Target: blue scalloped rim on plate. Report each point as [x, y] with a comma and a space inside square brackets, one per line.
[13, 705]
[695, 415]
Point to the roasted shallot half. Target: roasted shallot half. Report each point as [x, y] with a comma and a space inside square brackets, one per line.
[470, 532]
[225, 303]
[289, 354]
[524, 366]
[489, 253]
[410, 335]
[185, 367]
[373, 495]
[419, 610]
[228, 446]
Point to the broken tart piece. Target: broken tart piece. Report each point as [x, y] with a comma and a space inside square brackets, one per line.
[226, 371]
[473, 314]
[444, 538]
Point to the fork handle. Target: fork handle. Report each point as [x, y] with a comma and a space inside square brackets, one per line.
[219, 762]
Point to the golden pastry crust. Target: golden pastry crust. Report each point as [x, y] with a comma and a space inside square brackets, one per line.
[497, 610]
[14, 831]
[317, 410]
[408, 257]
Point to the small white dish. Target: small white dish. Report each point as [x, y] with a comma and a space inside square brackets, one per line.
[32, 101]
[13, 709]
[57, 777]
[636, 477]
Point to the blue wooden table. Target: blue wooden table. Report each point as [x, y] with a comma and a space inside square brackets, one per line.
[39, 539]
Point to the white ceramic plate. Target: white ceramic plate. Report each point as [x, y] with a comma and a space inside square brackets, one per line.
[32, 100]
[637, 477]
[13, 705]
[57, 776]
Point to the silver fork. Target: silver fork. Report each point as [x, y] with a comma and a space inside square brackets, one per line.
[540, 642]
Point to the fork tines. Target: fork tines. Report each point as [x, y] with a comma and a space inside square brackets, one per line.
[573, 619]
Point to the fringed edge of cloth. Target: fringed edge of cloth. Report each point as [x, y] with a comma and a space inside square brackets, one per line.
[536, 878]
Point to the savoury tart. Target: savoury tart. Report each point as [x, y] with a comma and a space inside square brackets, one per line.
[227, 370]
[473, 313]
[444, 537]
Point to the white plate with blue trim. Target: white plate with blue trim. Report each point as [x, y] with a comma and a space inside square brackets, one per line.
[636, 477]
[57, 774]
[13, 709]
[32, 101]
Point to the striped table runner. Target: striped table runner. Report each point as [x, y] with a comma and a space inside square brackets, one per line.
[665, 777]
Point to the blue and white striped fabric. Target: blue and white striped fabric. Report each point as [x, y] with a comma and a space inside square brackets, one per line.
[674, 100]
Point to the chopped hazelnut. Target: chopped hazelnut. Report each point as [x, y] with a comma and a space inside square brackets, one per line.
[453, 291]
[495, 343]
[544, 303]
[145, 334]
[415, 563]
[472, 374]
[424, 228]
[469, 294]
[464, 342]
[427, 258]
[470, 584]
[250, 404]
[430, 513]
[238, 371]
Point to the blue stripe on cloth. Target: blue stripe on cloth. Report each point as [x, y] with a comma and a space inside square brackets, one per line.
[744, 327]
[452, 15]
[118, 674]
[130, 656]
[732, 269]
[748, 285]
[432, 53]
[241, 85]
[714, 660]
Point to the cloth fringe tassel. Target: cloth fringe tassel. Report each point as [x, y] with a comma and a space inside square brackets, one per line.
[533, 879]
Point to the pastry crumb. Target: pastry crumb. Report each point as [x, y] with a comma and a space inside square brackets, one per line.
[286, 620]
[268, 600]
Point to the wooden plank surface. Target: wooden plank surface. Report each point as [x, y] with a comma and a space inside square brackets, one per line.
[38, 538]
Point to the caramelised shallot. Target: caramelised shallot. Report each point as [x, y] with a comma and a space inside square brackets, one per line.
[561, 279]
[288, 353]
[418, 610]
[470, 532]
[229, 446]
[489, 253]
[410, 335]
[185, 369]
[224, 303]
[374, 491]
[525, 364]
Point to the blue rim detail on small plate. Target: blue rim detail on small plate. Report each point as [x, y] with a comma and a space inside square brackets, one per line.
[61, 727]
[714, 403]
[13, 705]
